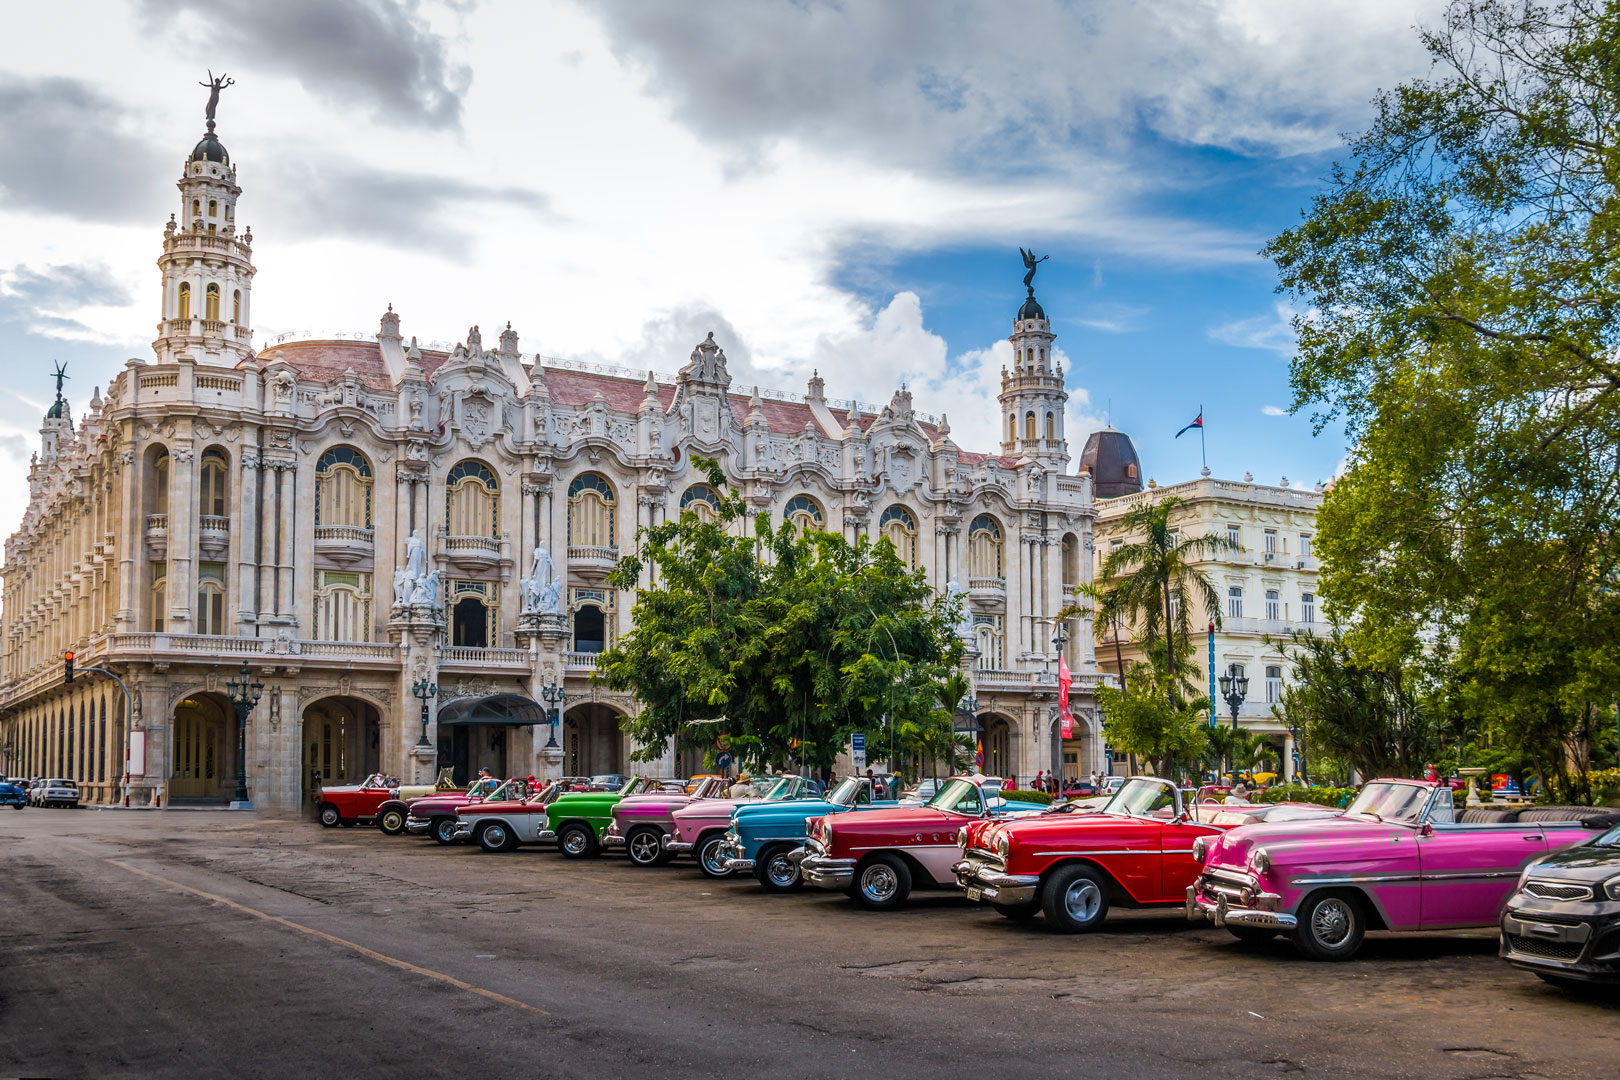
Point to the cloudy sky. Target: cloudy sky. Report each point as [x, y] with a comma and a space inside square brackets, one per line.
[840, 186]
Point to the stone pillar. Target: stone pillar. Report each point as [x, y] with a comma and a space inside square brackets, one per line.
[545, 636]
[248, 526]
[182, 510]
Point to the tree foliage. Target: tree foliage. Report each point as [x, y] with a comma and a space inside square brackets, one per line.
[785, 643]
[1458, 289]
[1146, 720]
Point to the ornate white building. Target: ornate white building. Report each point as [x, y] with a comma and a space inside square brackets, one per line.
[357, 518]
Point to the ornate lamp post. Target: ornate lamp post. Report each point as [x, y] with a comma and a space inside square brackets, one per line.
[1297, 733]
[244, 691]
[966, 722]
[554, 696]
[424, 691]
[1059, 641]
[1234, 688]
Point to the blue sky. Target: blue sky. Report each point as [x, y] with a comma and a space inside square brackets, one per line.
[827, 186]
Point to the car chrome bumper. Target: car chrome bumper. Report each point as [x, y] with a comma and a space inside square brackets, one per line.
[675, 847]
[1222, 913]
[612, 840]
[994, 887]
[822, 872]
[545, 836]
[417, 826]
[463, 831]
[732, 857]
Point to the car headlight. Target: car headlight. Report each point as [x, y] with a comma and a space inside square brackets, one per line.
[1611, 888]
[1002, 845]
[1260, 859]
[961, 837]
[1198, 849]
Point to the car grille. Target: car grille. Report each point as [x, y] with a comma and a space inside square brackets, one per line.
[1552, 890]
[1568, 951]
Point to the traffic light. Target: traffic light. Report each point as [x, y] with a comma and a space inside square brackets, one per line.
[67, 665]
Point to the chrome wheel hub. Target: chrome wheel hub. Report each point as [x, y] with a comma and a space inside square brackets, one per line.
[574, 842]
[712, 859]
[1081, 901]
[494, 836]
[878, 883]
[1330, 922]
[643, 847]
[782, 871]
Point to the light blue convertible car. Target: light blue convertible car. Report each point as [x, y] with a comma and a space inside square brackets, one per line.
[762, 834]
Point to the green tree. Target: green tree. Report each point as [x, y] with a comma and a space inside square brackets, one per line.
[1152, 581]
[1150, 722]
[795, 641]
[1457, 284]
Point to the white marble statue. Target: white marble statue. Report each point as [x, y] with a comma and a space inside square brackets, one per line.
[426, 593]
[540, 591]
[415, 556]
[402, 586]
[964, 622]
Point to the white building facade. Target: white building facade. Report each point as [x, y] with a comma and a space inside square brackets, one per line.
[358, 518]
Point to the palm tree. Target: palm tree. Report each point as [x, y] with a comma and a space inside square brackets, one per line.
[1106, 617]
[1153, 579]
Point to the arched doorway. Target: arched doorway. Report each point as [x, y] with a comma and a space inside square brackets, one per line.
[998, 756]
[342, 739]
[476, 733]
[592, 741]
[202, 747]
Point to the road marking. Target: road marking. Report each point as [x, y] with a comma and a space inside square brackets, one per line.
[403, 965]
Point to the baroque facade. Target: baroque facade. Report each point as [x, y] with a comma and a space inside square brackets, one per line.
[1265, 577]
[358, 518]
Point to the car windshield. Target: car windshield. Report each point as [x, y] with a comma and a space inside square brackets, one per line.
[844, 793]
[1139, 797]
[960, 797]
[782, 789]
[633, 785]
[1391, 802]
[1608, 839]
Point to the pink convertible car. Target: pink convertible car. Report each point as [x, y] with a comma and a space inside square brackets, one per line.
[1399, 859]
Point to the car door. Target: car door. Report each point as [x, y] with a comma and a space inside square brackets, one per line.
[1177, 867]
[1467, 871]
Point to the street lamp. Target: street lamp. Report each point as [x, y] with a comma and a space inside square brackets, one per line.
[244, 691]
[424, 691]
[1297, 733]
[1234, 688]
[1059, 640]
[966, 722]
[553, 695]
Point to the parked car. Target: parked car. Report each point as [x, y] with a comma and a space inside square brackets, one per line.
[505, 824]
[56, 793]
[762, 835]
[641, 824]
[1080, 789]
[1074, 863]
[925, 790]
[607, 782]
[1398, 859]
[577, 821]
[1563, 920]
[699, 828]
[878, 858]
[13, 794]
[435, 815]
[1113, 784]
[355, 804]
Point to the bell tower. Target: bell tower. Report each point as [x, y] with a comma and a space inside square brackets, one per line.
[207, 266]
[1032, 395]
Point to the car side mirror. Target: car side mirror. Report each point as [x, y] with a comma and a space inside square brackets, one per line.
[1427, 829]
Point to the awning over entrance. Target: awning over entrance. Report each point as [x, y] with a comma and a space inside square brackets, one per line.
[496, 709]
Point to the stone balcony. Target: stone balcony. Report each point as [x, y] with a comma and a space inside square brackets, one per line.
[157, 535]
[592, 562]
[344, 544]
[466, 657]
[580, 661]
[473, 552]
[987, 589]
[213, 535]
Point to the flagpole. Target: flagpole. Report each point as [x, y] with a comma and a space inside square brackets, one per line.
[1203, 449]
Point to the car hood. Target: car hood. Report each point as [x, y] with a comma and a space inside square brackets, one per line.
[755, 813]
[1583, 862]
[437, 802]
[1321, 840]
[644, 805]
[715, 808]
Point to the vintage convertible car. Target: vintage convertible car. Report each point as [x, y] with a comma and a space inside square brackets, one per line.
[641, 823]
[879, 857]
[435, 815]
[699, 828]
[1563, 921]
[577, 821]
[762, 835]
[1073, 862]
[1399, 859]
[504, 824]
[354, 804]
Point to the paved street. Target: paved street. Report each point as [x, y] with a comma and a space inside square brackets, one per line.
[224, 944]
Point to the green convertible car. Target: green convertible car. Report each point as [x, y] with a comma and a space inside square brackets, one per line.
[578, 820]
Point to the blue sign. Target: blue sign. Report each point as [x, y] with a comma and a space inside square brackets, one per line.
[857, 741]
[722, 760]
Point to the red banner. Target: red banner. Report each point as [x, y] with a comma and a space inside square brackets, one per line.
[1065, 680]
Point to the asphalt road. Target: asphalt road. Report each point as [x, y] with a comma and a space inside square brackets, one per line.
[220, 944]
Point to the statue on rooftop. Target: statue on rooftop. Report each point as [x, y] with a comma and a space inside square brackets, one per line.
[1030, 263]
[215, 85]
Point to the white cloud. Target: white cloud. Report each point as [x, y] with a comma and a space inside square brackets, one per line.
[1272, 410]
[1272, 333]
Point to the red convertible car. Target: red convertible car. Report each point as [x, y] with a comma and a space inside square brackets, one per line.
[879, 856]
[1071, 866]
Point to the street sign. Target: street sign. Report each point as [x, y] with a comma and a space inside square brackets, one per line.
[857, 750]
[722, 760]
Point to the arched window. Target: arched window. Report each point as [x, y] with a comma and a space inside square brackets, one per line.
[590, 629]
[342, 605]
[343, 490]
[1029, 425]
[803, 513]
[590, 512]
[1071, 559]
[214, 484]
[210, 598]
[160, 483]
[702, 501]
[987, 636]
[474, 606]
[471, 499]
[184, 310]
[211, 302]
[984, 548]
[196, 208]
[900, 528]
[1051, 428]
[236, 306]
[213, 208]
[1012, 428]
[160, 594]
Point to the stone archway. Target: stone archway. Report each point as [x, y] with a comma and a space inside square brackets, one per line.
[593, 742]
[202, 748]
[997, 740]
[341, 740]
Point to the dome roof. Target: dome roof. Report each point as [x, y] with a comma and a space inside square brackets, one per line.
[1111, 458]
[1031, 309]
[210, 149]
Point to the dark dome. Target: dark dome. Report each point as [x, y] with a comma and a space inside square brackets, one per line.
[1115, 468]
[1031, 310]
[210, 149]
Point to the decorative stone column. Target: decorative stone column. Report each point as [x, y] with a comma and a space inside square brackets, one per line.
[545, 635]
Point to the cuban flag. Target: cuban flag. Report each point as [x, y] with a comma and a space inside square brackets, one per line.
[1198, 422]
